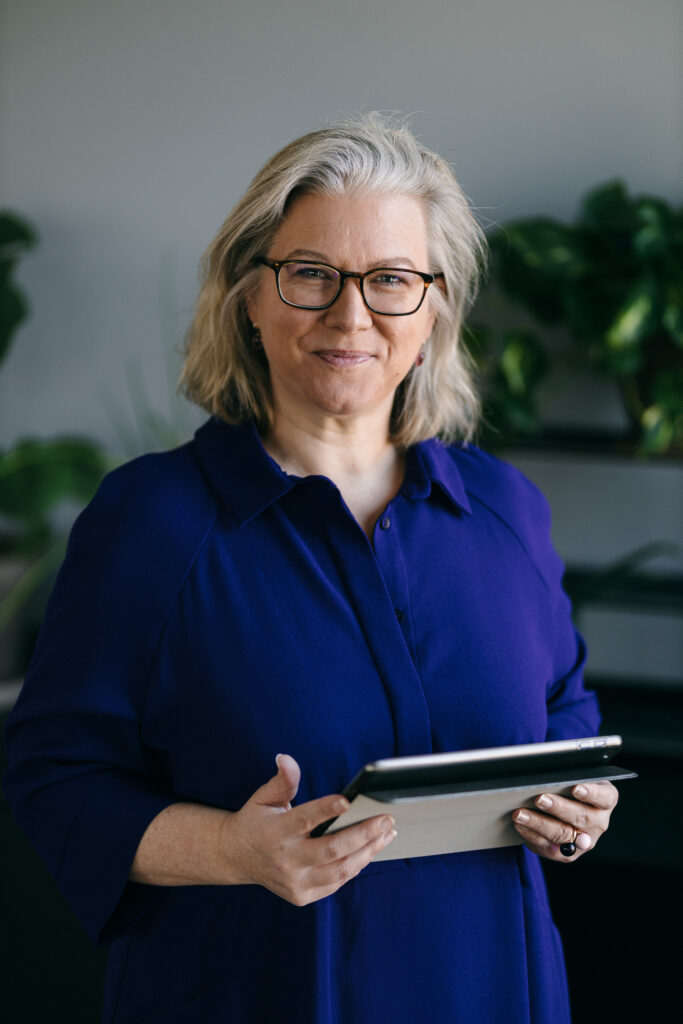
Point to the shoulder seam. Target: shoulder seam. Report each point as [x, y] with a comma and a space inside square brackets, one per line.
[514, 533]
[188, 568]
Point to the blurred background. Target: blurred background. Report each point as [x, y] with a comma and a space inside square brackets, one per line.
[128, 131]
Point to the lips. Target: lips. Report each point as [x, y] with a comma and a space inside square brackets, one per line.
[343, 357]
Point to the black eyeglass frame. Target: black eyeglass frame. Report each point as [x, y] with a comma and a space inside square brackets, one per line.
[277, 265]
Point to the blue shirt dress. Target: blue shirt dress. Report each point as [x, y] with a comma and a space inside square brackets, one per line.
[213, 611]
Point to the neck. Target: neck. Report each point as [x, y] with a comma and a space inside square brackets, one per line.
[337, 448]
[358, 457]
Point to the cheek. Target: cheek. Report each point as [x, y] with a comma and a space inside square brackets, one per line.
[283, 329]
[407, 341]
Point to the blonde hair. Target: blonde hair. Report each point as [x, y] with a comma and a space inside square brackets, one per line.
[228, 377]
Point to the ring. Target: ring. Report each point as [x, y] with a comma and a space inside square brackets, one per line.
[569, 849]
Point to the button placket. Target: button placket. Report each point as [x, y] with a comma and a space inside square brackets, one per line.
[367, 573]
[391, 563]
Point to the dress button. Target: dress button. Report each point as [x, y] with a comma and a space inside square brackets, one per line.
[385, 523]
[400, 614]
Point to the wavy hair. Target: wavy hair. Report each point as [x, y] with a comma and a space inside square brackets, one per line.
[229, 378]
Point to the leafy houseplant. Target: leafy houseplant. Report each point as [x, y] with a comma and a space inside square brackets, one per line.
[614, 279]
[36, 476]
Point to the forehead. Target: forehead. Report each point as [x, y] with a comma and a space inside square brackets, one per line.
[357, 226]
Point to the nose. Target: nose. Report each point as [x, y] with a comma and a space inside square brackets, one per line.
[348, 312]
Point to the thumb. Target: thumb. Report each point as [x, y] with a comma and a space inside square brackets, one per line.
[281, 789]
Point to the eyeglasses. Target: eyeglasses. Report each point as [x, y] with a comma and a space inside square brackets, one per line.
[390, 291]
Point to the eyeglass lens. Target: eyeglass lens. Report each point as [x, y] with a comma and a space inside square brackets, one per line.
[385, 290]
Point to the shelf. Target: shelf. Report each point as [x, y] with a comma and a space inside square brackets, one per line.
[598, 444]
[648, 716]
[647, 592]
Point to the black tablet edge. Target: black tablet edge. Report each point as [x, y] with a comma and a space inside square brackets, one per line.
[609, 773]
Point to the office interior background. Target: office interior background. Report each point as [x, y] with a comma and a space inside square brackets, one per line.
[129, 129]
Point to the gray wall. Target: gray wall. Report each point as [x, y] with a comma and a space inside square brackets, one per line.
[129, 127]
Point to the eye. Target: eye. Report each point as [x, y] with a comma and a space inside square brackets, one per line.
[310, 272]
[392, 279]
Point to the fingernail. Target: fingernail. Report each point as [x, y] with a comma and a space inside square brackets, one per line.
[387, 823]
[544, 801]
[521, 816]
[388, 836]
[277, 761]
[341, 805]
[580, 791]
[583, 841]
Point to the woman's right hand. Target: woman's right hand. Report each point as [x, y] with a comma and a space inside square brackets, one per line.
[267, 842]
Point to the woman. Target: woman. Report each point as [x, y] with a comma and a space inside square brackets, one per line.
[314, 574]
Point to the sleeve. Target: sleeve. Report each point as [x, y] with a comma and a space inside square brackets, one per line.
[80, 781]
[572, 709]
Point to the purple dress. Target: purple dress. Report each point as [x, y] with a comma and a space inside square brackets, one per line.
[213, 611]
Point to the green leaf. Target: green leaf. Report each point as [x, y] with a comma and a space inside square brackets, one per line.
[522, 362]
[15, 233]
[607, 206]
[655, 222]
[662, 420]
[672, 319]
[534, 260]
[512, 415]
[667, 389]
[541, 244]
[634, 320]
[658, 429]
[42, 570]
[13, 309]
[16, 236]
[35, 476]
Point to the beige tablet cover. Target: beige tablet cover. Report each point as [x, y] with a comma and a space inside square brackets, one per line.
[452, 823]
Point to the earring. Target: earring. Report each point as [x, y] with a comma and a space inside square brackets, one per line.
[420, 358]
[256, 337]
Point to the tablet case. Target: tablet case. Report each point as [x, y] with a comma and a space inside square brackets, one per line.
[456, 818]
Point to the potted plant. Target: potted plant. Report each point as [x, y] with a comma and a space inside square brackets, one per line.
[614, 280]
[36, 477]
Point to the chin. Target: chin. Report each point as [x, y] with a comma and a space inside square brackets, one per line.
[343, 403]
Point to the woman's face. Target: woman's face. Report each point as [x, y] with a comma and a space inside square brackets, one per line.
[344, 361]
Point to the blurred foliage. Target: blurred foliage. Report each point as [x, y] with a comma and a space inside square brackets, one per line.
[16, 237]
[36, 476]
[614, 280]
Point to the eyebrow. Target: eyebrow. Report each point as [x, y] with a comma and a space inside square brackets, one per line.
[387, 261]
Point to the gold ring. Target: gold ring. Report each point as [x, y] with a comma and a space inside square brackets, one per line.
[568, 849]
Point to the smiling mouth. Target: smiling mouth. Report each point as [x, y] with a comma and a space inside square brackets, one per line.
[343, 357]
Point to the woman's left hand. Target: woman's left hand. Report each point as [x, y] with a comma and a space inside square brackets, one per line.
[554, 823]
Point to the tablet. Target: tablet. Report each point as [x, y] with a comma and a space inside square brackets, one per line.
[463, 800]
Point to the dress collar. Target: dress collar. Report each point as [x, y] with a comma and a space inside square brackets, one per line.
[248, 480]
[431, 462]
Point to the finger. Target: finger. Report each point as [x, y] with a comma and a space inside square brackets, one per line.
[302, 820]
[280, 790]
[598, 794]
[584, 817]
[540, 828]
[334, 847]
[544, 848]
[331, 877]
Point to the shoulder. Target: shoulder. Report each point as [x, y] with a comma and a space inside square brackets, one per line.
[495, 483]
[499, 490]
[149, 501]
